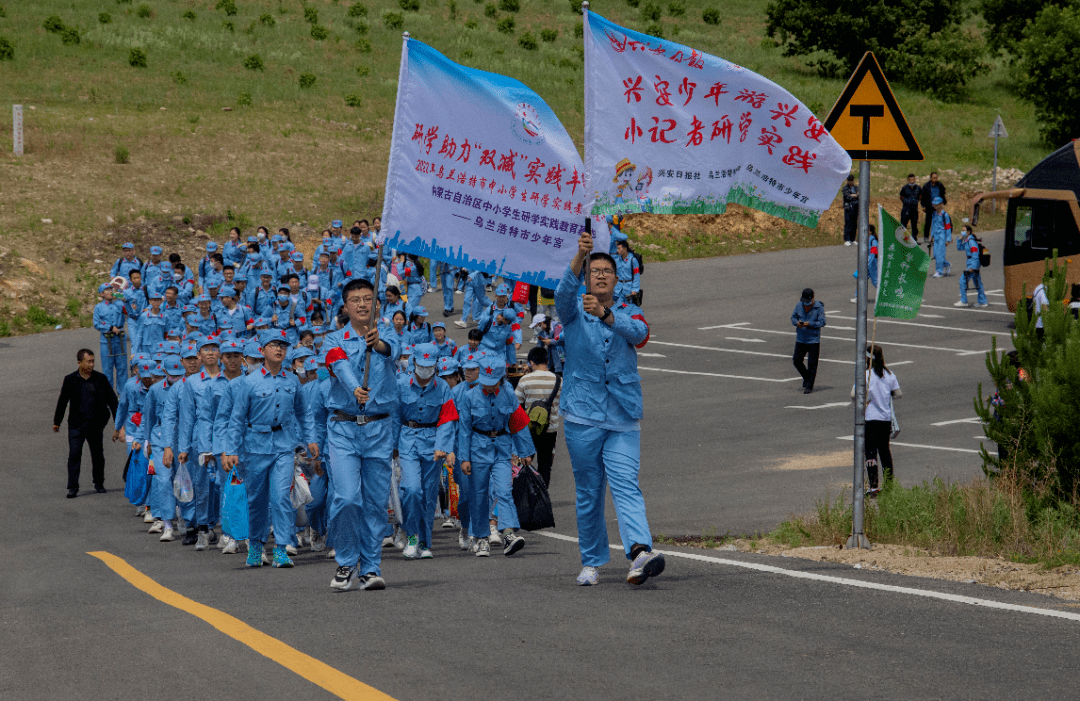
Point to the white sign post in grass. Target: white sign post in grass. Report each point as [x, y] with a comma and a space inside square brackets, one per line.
[17, 131]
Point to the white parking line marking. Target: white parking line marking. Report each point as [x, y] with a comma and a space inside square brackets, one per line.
[1003, 332]
[748, 352]
[844, 581]
[968, 309]
[958, 351]
[822, 406]
[651, 355]
[975, 420]
[714, 374]
[746, 340]
[916, 445]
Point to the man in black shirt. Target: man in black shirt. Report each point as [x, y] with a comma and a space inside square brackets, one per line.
[910, 194]
[93, 402]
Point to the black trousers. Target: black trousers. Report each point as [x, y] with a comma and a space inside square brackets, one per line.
[926, 222]
[851, 224]
[545, 454]
[808, 371]
[877, 450]
[93, 438]
[909, 217]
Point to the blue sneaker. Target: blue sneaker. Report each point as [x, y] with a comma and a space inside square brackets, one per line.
[281, 558]
[590, 576]
[255, 554]
[645, 565]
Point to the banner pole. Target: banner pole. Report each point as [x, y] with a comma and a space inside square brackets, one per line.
[858, 538]
[587, 265]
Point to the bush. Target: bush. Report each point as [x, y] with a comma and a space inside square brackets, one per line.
[1007, 21]
[363, 70]
[228, 26]
[307, 80]
[490, 11]
[267, 19]
[254, 62]
[579, 30]
[143, 11]
[676, 8]
[228, 6]
[70, 36]
[3, 12]
[121, 155]
[471, 23]
[549, 35]
[363, 46]
[575, 6]
[361, 28]
[137, 58]
[353, 100]
[244, 99]
[1048, 64]
[311, 15]
[189, 15]
[104, 18]
[710, 16]
[318, 32]
[7, 49]
[943, 79]
[393, 20]
[356, 10]
[633, 3]
[410, 5]
[53, 24]
[505, 25]
[527, 42]
[39, 317]
[453, 8]
[510, 5]
[650, 13]
[655, 29]
[179, 78]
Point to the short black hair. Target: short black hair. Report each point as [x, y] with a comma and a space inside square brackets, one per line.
[228, 266]
[363, 221]
[357, 284]
[218, 257]
[174, 288]
[83, 352]
[307, 332]
[604, 256]
[911, 175]
[394, 289]
[292, 276]
[134, 272]
[253, 247]
[538, 356]
[174, 258]
[355, 231]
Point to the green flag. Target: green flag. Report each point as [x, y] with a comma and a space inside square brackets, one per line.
[903, 270]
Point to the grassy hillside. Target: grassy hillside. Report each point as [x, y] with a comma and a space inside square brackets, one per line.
[225, 121]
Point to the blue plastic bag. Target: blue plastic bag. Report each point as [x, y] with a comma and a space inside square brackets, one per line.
[234, 513]
[137, 486]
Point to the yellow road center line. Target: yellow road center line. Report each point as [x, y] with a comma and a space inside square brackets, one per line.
[317, 672]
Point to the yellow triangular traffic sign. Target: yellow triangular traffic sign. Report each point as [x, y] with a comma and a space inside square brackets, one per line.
[867, 122]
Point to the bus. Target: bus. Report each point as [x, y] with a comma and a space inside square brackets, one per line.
[1043, 216]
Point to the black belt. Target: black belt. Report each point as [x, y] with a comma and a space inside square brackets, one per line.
[273, 429]
[490, 434]
[417, 424]
[358, 420]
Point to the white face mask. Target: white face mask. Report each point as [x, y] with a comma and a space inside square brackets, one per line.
[177, 276]
[425, 373]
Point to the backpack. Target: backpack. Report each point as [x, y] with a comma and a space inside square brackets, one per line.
[640, 262]
[539, 412]
[984, 254]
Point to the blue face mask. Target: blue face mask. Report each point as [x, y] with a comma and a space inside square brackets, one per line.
[283, 299]
[324, 373]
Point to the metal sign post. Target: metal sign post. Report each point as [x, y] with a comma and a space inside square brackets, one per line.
[858, 537]
[997, 131]
[17, 129]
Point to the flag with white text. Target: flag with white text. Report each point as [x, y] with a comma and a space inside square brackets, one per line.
[903, 270]
[673, 130]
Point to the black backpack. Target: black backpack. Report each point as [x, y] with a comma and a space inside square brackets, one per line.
[640, 262]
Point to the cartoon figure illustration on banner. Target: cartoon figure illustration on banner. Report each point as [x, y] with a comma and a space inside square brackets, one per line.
[624, 176]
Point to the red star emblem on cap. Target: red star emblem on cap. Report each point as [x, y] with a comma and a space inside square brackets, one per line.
[487, 371]
[426, 356]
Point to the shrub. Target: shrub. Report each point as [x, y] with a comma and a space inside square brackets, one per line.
[710, 16]
[490, 10]
[7, 49]
[575, 6]
[189, 15]
[227, 6]
[361, 28]
[5, 329]
[353, 100]
[70, 36]
[121, 155]
[633, 3]
[363, 70]
[311, 15]
[53, 24]
[104, 17]
[228, 26]
[307, 80]
[505, 25]
[655, 29]
[1047, 64]
[137, 58]
[676, 8]
[179, 78]
[393, 20]
[254, 62]
[579, 30]
[471, 23]
[467, 53]
[318, 32]
[510, 5]
[3, 12]
[243, 99]
[527, 42]
[39, 317]
[143, 11]
[363, 46]
[567, 63]
[267, 19]
[650, 13]
[410, 5]
[356, 10]
[549, 35]
[453, 8]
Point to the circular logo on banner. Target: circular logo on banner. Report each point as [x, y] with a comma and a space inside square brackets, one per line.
[905, 238]
[526, 124]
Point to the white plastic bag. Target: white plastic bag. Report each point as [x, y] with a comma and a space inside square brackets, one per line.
[895, 424]
[393, 507]
[182, 487]
[301, 493]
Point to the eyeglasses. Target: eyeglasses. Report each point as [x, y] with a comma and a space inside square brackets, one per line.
[602, 272]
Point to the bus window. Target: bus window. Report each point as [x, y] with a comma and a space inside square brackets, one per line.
[1021, 233]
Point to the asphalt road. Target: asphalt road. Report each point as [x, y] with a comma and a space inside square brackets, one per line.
[718, 452]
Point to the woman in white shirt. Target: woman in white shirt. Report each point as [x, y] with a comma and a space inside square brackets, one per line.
[881, 389]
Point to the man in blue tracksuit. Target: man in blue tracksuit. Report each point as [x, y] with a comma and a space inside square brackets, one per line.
[808, 320]
[448, 280]
[492, 429]
[470, 372]
[152, 437]
[969, 245]
[941, 233]
[425, 422]
[476, 299]
[269, 419]
[126, 263]
[601, 407]
[360, 438]
[109, 321]
[501, 325]
[315, 393]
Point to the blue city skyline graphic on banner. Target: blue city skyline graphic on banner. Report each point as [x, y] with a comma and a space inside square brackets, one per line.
[460, 258]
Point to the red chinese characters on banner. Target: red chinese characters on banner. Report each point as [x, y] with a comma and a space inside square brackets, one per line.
[633, 89]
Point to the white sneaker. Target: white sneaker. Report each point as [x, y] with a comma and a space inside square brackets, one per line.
[345, 579]
[331, 554]
[203, 541]
[157, 527]
[590, 576]
[290, 550]
[399, 538]
[318, 542]
[425, 553]
[412, 549]
[450, 522]
[460, 324]
[147, 516]
[847, 243]
[983, 306]
[388, 542]
[463, 540]
[936, 275]
[961, 304]
[139, 510]
[166, 534]
[482, 548]
[231, 546]
[458, 292]
[495, 538]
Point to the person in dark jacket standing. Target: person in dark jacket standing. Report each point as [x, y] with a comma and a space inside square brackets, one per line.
[808, 318]
[850, 193]
[931, 188]
[909, 206]
[93, 405]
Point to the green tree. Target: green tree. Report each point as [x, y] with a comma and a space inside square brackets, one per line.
[1007, 20]
[1049, 72]
[916, 41]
